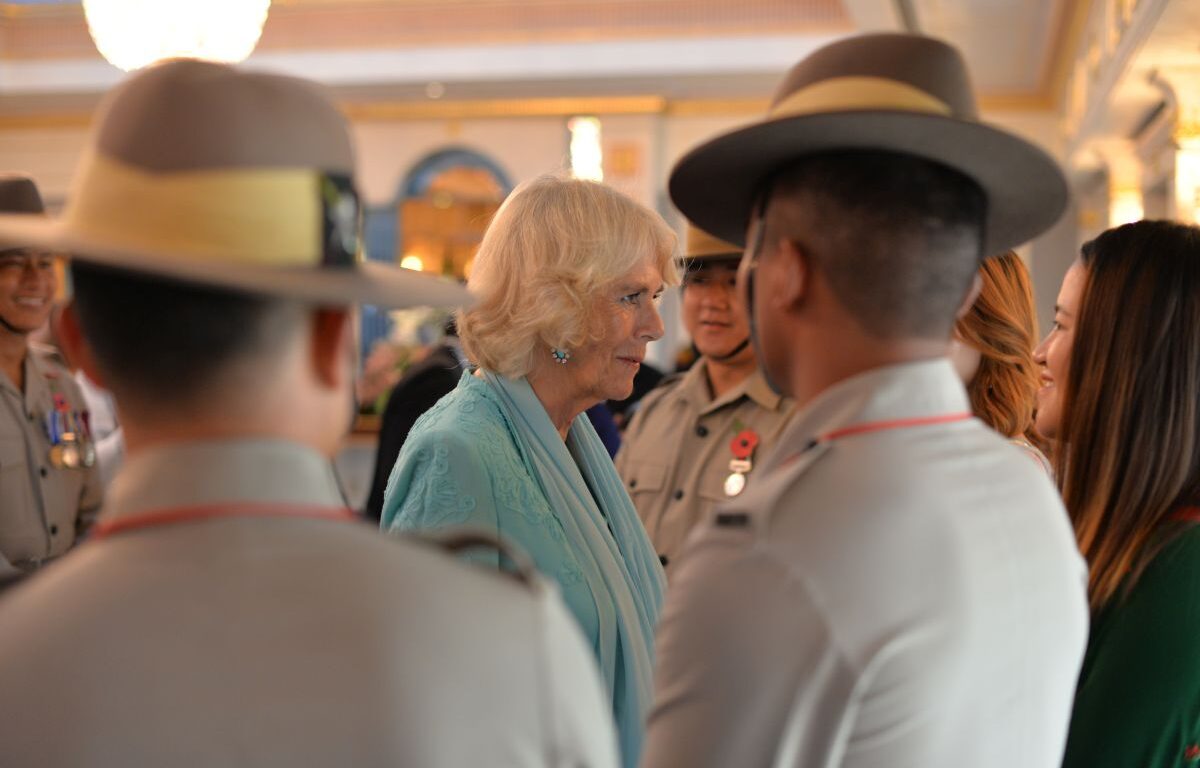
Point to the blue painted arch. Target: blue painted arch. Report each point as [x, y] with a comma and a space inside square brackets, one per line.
[381, 225]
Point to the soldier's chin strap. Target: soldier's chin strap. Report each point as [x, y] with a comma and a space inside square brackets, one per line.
[730, 355]
[11, 328]
[753, 252]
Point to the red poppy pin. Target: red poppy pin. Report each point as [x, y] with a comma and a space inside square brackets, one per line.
[1192, 753]
[744, 443]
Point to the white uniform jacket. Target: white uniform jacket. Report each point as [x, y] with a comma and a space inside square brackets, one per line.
[902, 589]
[222, 638]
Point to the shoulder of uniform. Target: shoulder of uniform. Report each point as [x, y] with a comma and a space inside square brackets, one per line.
[514, 564]
[769, 494]
[668, 386]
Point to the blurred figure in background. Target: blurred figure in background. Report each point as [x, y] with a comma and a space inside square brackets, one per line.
[105, 430]
[421, 386]
[992, 351]
[50, 488]
[1121, 397]
[694, 440]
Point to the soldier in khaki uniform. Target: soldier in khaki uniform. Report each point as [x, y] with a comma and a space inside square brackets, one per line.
[695, 440]
[228, 608]
[49, 485]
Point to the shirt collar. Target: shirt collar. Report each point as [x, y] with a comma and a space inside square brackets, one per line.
[754, 387]
[922, 389]
[189, 474]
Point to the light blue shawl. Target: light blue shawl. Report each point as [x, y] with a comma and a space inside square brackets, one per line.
[581, 483]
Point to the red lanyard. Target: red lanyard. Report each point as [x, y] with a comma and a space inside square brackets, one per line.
[884, 426]
[175, 515]
[868, 427]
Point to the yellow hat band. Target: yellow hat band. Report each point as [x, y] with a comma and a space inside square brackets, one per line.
[846, 94]
[263, 217]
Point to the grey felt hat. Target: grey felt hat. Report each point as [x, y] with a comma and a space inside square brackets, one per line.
[890, 92]
[205, 173]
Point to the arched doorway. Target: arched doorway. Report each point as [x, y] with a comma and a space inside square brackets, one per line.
[434, 223]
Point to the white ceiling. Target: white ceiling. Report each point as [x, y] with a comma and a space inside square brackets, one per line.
[1009, 44]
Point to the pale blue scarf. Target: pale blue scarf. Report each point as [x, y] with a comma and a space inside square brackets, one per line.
[621, 568]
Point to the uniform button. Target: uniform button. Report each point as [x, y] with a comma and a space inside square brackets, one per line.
[633, 483]
[701, 430]
[45, 471]
[678, 494]
[53, 530]
[30, 415]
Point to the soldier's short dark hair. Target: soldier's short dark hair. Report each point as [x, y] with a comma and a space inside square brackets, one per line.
[898, 237]
[168, 339]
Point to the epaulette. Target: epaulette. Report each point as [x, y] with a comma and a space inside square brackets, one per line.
[513, 563]
[669, 380]
[661, 390]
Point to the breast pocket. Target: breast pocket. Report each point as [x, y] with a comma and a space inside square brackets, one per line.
[21, 531]
[645, 478]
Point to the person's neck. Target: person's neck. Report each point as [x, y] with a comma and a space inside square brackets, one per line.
[725, 375]
[824, 365]
[269, 416]
[561, 404]
[13, 349]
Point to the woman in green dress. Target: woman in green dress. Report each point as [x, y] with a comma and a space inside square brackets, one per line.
[1121, 396]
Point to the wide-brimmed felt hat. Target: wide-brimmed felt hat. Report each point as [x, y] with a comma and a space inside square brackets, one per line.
[19, 194]
[205, 173]
[702, 248]
[885, 92]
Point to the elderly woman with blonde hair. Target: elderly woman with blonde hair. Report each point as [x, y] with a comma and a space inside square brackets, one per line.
[567, 280]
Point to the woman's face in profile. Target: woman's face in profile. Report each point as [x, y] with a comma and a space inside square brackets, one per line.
[1054, 353]
[627, 313]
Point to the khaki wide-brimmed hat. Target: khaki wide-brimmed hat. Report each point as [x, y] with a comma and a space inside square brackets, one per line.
[702, 248]
[890, 92]
[205, 173]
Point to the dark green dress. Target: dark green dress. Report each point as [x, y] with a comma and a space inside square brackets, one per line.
[1138, 701]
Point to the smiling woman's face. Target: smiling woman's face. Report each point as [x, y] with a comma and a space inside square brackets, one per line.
[627, 311]
[1053, 355]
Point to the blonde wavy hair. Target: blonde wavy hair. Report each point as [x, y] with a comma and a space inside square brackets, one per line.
[1002, 325]
[552, 248]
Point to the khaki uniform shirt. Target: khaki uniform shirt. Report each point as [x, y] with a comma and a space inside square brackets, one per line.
[275, 639]
[675, 454]
[42, 507]
[888, 593]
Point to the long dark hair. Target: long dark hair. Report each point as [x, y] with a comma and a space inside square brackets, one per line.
[1129, 453]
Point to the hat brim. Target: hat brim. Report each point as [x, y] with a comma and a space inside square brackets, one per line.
[365, 283]
[708, 258]
[715, 184]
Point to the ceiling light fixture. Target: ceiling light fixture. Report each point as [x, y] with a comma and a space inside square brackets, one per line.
[133, 33]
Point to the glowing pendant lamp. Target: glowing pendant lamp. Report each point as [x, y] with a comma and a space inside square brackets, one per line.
[134, 33]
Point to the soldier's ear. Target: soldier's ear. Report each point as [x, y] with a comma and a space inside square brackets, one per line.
[75, 346]
[332, 345]
[795, 272]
